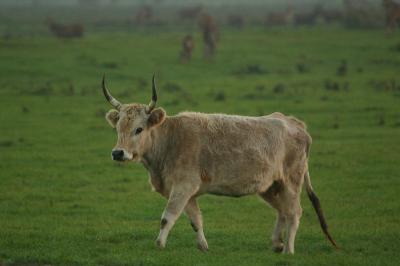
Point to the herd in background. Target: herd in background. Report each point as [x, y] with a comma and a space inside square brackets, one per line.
[354, 12]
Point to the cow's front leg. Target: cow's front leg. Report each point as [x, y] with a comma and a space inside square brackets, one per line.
[177, 201]
[193, 212]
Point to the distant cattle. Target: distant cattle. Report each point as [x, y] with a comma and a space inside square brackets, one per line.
[361, 13]
[210, 32]
[280, 18]
[191, 154]
[331, 15]
[235, 21]
[392, 10]
[308, 18]
[144, 15]
[187, 48]
[75, 30]
[189, 13]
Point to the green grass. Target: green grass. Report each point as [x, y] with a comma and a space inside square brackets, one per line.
[64, 202]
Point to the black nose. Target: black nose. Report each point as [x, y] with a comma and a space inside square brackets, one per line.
[117, 155]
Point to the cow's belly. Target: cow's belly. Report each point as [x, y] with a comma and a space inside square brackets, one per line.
[237, 184]
[238, 190]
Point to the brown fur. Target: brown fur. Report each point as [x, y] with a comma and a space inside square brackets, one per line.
[205, 178]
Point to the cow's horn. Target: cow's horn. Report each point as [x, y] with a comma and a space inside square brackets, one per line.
[153, 102]
[108, 96]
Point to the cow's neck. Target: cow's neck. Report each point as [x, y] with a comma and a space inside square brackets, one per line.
[155, 157]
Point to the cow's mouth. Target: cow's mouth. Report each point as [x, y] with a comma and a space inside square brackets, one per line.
[121, 155]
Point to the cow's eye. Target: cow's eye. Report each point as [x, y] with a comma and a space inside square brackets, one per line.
[138, 130]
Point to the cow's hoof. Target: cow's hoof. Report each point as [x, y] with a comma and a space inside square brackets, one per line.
[287, 251]
[160, 244]
[278, 248]
[203, 246]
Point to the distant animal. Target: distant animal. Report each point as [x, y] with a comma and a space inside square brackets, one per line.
[392, 9]
[144, 15]
[342, 69]
[308, 18]
[190, 13]
[235, 21]
[75, 30]
[331, 15]
[358, 13]
[280, 18]
[187, 48]
[210, 35]
[191, 154]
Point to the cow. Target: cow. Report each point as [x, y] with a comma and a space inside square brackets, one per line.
[190, 13]
[144, 15]
[210, 35]
[280, 18]
[187, 48]
[191, 154]
[65, 31]
[235, 21]
[392, 9]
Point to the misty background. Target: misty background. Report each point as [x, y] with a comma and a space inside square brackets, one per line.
[31, 17]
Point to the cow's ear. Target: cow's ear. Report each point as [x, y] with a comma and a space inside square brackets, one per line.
[157, 117]
[112, 117]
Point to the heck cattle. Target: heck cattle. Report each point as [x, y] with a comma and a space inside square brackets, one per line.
[280, 18]
[191, 154]
[187, 48]
[65, 31]
[144, 15]
[189, 13]
[235, 21]
[210, 35]
[392, 14]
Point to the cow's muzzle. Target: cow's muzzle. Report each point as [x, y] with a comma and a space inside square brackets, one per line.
[117, 155]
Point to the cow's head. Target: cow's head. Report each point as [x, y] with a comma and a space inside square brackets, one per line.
[134, 123]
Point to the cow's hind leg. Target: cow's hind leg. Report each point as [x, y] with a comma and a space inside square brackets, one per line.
[193, 212]
[177, 201]
[287, 204]
[293, 213]
[272, 197]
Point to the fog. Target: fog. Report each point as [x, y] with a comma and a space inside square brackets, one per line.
[173, 2]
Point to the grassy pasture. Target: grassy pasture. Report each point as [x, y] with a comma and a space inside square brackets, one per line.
[64, 202]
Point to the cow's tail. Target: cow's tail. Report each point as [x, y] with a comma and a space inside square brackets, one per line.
[317, 206]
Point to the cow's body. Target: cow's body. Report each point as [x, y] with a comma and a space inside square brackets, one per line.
[227, 155]
[392, 9]
[66, 31]
[187, 48]
[191, 154]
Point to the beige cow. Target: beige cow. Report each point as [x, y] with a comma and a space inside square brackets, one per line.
[191, 154]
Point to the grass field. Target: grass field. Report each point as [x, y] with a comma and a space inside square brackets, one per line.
[64, 202]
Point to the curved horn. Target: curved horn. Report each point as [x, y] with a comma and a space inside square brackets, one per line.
[153, 102]
[108, 96]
